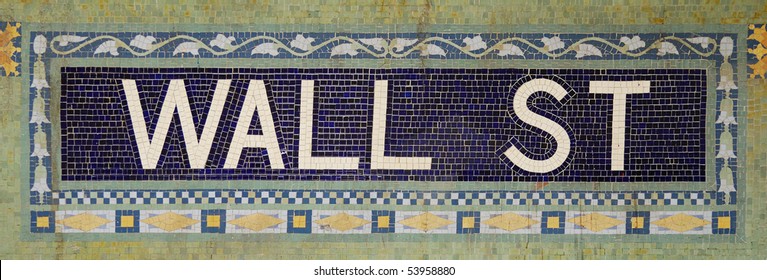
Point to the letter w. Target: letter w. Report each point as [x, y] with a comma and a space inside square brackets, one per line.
[175, 99]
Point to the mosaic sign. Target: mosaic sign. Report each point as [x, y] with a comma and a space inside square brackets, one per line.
[327, 133]
[395, 124]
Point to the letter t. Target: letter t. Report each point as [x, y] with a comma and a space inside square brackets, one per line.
[619, 90]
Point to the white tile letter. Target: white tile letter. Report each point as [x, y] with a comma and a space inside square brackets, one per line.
[175, 99]
[378, 160]
[619, 90]
[305, 159]
[255, 100]
[557, 131]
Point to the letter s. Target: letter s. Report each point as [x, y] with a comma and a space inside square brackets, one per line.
[527, 116]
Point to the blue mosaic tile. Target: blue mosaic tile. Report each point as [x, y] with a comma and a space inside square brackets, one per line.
[724, 222]
[467, 222]
[127, 221]
[43, 222]
[553, 222]
[385, 225]
[213, 221]
[299, 221]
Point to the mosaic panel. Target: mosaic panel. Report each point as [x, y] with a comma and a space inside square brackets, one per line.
[328, 150]
[532, 216]
[438, 125]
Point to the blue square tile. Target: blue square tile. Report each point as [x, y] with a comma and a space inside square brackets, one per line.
[299, 221]
[468, 222]
[638, 222]
[553, 222]
[383, 221]
[724, 222]
[127, 221]
[43, 221]
[213, 221]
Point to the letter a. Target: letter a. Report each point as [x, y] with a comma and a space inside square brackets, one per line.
[255, 100]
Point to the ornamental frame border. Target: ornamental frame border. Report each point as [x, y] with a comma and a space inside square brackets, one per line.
[722, 48]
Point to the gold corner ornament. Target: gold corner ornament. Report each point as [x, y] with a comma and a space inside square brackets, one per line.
[7, 49]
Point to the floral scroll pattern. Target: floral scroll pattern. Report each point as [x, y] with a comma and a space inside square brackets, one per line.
[379, 47]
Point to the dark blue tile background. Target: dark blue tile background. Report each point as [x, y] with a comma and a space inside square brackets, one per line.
[459, 117]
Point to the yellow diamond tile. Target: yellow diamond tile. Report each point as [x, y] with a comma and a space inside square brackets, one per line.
[342, 222]
[681, 222]
[510, 222]
[84, 221]
[170, 221]
[595, 222]
[256, 222]
[426, 222]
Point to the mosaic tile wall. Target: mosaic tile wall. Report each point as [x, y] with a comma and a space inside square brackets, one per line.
[383, 130]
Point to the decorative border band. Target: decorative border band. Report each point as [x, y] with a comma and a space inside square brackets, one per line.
[291, 45]
[384, 221]
[719, 48]
[380, 197]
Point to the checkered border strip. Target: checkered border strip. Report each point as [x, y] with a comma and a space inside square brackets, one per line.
[383, 221]
[353, 197]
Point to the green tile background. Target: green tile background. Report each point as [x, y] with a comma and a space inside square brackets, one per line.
[391, 16]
